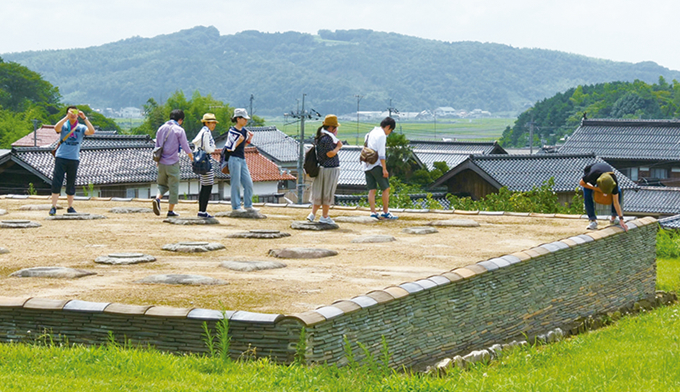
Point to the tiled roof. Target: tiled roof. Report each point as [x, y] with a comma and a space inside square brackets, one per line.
[110, 140]
[429, 158]
[261, 169]
[456, 147]
[351, 172]
[658, 200]
[128, 165]
[672, 222]
[271, 142]
[45, 136]
[523, 172]
[626, 139]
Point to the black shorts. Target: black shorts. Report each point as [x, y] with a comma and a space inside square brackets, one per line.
[374, 177]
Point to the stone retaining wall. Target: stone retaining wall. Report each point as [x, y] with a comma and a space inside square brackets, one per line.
[492, 301]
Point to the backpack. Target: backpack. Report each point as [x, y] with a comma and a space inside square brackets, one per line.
[311, 164]
[224, 160]
[201, 163]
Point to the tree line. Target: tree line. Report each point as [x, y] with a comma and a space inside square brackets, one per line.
[331, 67]
[560, 115]
[25, 96]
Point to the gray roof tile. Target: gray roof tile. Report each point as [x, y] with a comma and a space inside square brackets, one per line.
[660, 200]
[626, 139]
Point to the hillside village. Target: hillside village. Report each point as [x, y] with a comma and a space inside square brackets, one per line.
[644, 153]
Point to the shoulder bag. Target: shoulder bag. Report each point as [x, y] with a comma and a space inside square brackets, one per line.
[158, 151]
[54, 150]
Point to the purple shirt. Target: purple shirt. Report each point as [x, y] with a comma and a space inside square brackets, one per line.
[176, 138]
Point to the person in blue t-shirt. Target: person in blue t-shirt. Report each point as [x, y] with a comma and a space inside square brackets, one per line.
[68, 154]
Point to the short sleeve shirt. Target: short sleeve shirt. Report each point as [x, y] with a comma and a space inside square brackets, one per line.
[592, 172]
[70, 148]
[323, 146]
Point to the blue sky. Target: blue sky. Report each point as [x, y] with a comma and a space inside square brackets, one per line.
[623, 30]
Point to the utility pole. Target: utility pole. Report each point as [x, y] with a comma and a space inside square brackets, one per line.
[391, 109]
[252, 97]
[302, 115]
[356, 140]
[35, 132]
[531, 135]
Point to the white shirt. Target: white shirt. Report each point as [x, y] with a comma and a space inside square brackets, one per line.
[204, 140]
[376, 140]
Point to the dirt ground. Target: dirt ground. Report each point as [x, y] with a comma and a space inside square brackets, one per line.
[302, 286]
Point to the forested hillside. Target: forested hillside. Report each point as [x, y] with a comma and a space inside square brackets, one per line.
[561, 114]
[331, 68]
[25, 96]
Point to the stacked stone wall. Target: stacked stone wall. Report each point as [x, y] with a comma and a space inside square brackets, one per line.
[493, 301]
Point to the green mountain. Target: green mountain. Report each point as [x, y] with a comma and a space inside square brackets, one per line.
[331, 68]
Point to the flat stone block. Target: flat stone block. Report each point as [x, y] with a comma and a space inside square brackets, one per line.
[500, 262]
[425, 283]
[569, 242]
[488, 265]
[303, 206]
[346, 306]
[537, 215]
[248, 266]
[38, 207]
[302, 253]
[13, 302]
[18, 224]
[124, 258]
[191, 221]
[251, 317]
[511, 259]
[396, 292]
[541, 250]
[75, 216]
[181, 279]
[522, 256]
[442, 211]
[207, 314]
[126, 199]
[45, 304]
[523, 214]
[533, 253]
[411, 287]
[420, 230]
[464, 272]
[381, 296]
[344, 208]
[166, 311]
[135, 310]
[454, 223]
[101, 198]
[84, 306]
[52, 272]
[463, 212]
[452, 276]
[242, 215]
[567, 216]
[362, 219]
[476, 268]
[280, 205]
[439, 280]
[193, 247]
[130, 210]
[310, 318]
[364, 301]
[330, 312]
[416, 211]
[492, 213]
[317, 226]
[259, 234]
[373, 239]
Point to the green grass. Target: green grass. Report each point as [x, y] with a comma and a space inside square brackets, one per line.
[638, 353]
[483, 129]
[128, 123]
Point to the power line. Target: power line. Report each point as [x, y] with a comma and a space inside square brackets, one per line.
[302, 115]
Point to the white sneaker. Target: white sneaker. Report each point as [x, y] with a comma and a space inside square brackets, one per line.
[615, 221]
[240, 209]
[252, 209]
[311, 217]
[592, 225]
[327, 221]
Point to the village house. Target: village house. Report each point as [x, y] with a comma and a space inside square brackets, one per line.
[121, 166]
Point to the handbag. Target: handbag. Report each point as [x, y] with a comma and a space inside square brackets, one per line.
[368, 155]
[600, 198]
[201, 163]
[54, 150]
[157, 152]
[224, 160]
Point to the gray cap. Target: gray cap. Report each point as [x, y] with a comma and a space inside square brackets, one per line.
[240, 112]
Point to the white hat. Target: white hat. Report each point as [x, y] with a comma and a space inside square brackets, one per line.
[240, 112]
